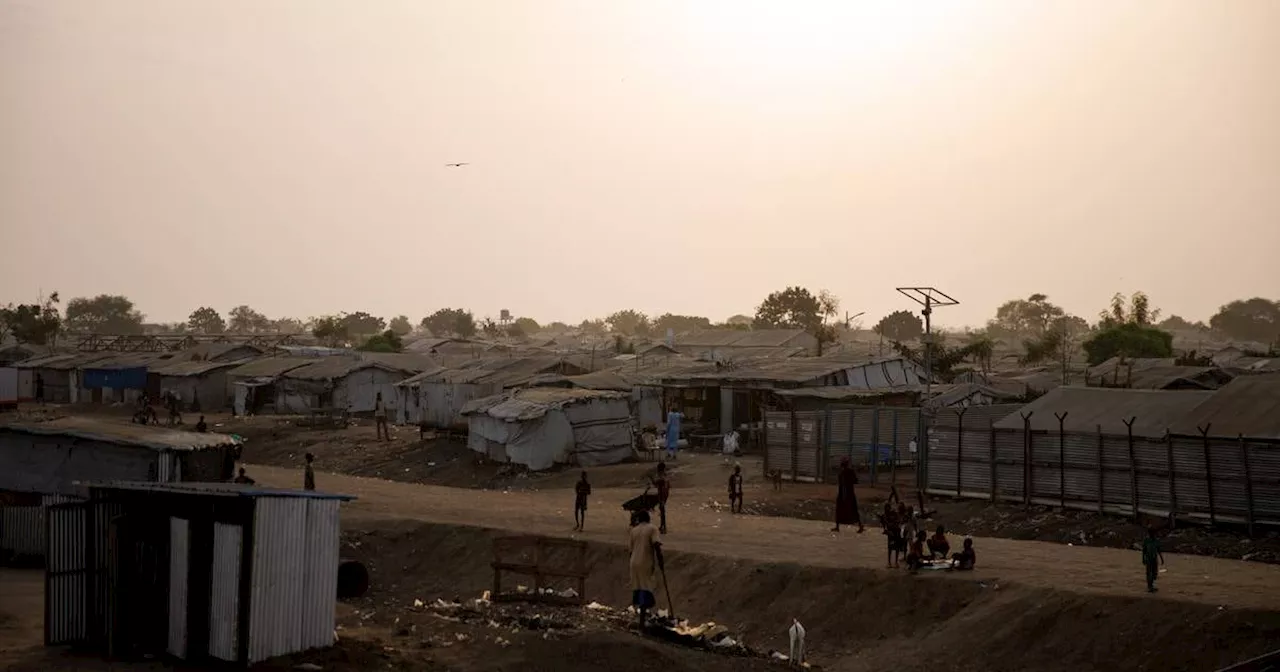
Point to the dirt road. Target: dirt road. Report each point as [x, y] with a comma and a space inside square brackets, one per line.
[698, 526]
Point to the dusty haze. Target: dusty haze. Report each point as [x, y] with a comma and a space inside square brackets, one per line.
[673, 156]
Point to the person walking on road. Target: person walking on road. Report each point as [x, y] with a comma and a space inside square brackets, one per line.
[663, 484]
[846, 500]
[309, 475]
[380, 418]
[582, 490]
[646, 557]
[1152, 558]
[735, 489]
[673, 432]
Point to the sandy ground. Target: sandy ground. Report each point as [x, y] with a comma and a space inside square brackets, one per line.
[698, 525]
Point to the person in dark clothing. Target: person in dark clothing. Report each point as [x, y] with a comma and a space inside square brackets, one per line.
[582, 490]
[735, 490]
[892, 529]
[846, 500]
[915, 552]
[244, 478]
[966, 558]
[202, 426]
[938, 544]
[309, 475]
[663, 484]
[1152, 558]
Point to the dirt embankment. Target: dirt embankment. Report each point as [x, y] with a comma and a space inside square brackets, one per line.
[856, 619]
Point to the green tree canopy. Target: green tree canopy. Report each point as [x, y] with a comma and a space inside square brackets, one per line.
[33, 323]
[104, 314]
[797, 308]
[401, 325]
[629, 322]
[1128, 339]
[206, 320]
[900, 325]
[1031, 316]
[450, 322]
[1255, 319]
[387, 341]
[527, 325]
[245, 320]
[679, 324]
[331, 330]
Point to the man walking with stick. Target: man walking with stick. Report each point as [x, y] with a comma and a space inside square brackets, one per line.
[646, 556]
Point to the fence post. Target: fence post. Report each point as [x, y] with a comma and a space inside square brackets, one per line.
[764, 435]
[1208, 473]
[1133, 469]
[824, 447]
[1102, 474]
[1062, 460]
[1028, 472]
[960, 447]
[991, 425]
[795, 435]
[1173, 486]
[1248, 481]
[895, 447]
[875, 443]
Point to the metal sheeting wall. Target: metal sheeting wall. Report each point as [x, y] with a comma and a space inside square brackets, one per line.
[179, 551]
[50, 465]
[794, 444]
[279, 549]
[320, 574]
[22, 528]
[224, 595]
[1192, 477]
[66, 578]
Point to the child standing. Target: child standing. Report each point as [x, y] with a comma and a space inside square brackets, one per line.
[1152, 558]
[581, 491]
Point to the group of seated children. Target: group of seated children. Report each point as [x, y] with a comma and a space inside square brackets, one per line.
[905, 538]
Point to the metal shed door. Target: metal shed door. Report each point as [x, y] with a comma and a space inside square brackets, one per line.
[66, 590]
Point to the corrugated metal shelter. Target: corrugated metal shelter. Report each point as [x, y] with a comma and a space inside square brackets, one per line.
[1153, 411]
[40, 460]
[253, 384]
[58, 375]
[199, 571]
[436, 397]
[120, 379]
[542, 426]
[1248, 406]
[347, 382]
[199, 385]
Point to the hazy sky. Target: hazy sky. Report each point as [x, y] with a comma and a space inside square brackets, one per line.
[673, 156]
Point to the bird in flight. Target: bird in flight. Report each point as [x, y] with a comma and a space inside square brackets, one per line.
[456, 165]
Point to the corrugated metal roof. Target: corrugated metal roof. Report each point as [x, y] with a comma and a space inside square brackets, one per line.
[333, 368]
[1154, 411]
[533, 402]
[1248, 405]
[130, 360]
[215, 350]
[269, 366]
[124, 433]
[216, 490]
[191, 368]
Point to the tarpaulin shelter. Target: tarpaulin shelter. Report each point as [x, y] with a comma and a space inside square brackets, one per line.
[543, 426]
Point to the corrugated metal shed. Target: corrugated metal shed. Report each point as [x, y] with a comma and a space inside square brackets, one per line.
[128, 434]
[534, 402]
[263, 584]
[1248, 405]
[333, 368]
[1154, 411]
[191, 368]
[269, 367]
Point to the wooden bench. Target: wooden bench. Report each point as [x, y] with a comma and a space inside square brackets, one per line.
[551, 559]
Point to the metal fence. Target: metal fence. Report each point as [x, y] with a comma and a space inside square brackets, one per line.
[1198, 477]
[807, 445]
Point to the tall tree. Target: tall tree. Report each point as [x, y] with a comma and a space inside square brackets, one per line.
[331, 330]
[527, 326]
[900, 325]
[35, 323]
[629, 322]
[1255, 319]
[400, 324]
[596, 327]
[104, 314]
[362, 324]
[797, 308]
[288, 325]
[739, 321]
[1134, 310]
[206, 320]
[1031, 316]
[387, 341]
[679, 324]
[450, 322]
[245, 320]
[1125, 330]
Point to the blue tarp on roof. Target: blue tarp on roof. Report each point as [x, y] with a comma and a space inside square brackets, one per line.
[117, 379]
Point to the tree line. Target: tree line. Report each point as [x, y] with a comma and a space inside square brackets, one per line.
[1046, 332]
